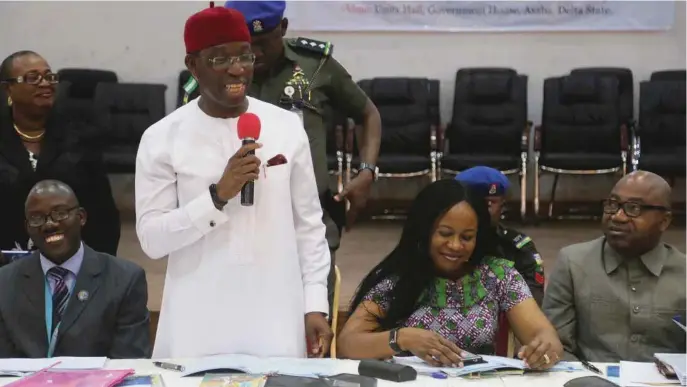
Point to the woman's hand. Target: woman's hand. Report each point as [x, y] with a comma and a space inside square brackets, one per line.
[543, 352]
[430, 347]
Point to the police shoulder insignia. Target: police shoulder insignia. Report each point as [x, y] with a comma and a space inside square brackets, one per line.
[322, 48]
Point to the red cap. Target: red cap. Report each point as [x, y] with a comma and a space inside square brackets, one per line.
[248, 126]
[213, 26]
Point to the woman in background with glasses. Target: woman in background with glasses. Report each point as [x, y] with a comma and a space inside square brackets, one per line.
[37, 143]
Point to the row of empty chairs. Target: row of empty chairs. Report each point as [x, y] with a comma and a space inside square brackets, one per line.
[587, 124]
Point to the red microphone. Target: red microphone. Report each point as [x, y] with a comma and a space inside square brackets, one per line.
[249, 132]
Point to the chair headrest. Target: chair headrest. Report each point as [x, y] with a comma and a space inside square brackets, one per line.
[579, 89]
[493, 88]
[672, 98]
[392, 90]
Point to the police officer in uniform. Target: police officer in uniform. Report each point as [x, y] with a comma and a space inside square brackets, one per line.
[513, 244]
[299, 74]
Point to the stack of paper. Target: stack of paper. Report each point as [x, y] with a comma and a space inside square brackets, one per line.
[20, 367]
[635, 374]
[493, 363]
[678, 362]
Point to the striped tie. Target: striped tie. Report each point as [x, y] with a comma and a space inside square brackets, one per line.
[60, 294]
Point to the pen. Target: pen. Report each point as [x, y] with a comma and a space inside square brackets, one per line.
[590, 367]
[435, 375]
[168, 366]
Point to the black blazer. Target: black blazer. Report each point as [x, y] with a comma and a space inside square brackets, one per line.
[113, 321]
[64, 156]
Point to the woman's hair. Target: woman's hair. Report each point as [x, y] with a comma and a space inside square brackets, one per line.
[6, 66]
[410, 264]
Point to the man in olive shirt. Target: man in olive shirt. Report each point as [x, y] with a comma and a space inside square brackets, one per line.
[300, 74]
[614, 298]
[513, 244]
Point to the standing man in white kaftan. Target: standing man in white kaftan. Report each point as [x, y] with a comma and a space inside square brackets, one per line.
[240, 279]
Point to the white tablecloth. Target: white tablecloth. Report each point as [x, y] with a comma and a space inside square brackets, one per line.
[552, 379]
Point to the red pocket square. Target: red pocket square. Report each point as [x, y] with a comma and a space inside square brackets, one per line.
[276, 160]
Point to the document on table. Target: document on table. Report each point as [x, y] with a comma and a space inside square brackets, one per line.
[635, 374]
[256, 365]
[493, 363]
[677, 361]
[19, 367]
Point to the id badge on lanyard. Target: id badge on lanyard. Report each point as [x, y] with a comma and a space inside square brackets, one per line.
[52, 334]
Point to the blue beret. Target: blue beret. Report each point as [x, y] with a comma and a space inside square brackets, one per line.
[485, 180]
[261, 16]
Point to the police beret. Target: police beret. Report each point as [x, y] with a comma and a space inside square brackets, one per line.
[213, 26]
[485, 180]
[261, 16]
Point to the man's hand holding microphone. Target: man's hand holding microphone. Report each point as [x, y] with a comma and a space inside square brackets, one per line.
[243, 167]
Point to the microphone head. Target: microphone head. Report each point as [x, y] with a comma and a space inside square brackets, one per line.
[248, 126]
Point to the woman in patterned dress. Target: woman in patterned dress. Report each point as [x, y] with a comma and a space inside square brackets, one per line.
[441, 290]
[38, 143]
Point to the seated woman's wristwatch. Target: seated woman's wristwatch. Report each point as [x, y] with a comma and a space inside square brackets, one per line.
[393, 341]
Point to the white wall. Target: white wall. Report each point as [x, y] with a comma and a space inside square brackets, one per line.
[143, 42]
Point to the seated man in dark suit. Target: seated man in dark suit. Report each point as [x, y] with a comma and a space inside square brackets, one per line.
[67, 299]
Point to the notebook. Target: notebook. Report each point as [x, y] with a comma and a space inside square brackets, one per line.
[676, 361]
[255, 365]
[492, 364]
[57, 378]
[217, 380]
[142, 381]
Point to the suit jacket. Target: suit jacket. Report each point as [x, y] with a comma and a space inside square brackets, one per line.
[607, 308]
[112, 321]
[64, 156]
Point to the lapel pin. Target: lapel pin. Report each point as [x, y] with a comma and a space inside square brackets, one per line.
[82, 296]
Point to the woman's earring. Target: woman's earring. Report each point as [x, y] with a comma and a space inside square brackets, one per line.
[9, 101]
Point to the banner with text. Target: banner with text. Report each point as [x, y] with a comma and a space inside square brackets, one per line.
[480, 15]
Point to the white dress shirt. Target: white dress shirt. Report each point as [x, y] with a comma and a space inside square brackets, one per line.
[238, 280]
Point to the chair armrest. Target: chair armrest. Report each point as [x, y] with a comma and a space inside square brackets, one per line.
[537, 138]
[525, 139]
[624, 138]
[340, 137]
[349, 142]
[441, 137]
[434, 138]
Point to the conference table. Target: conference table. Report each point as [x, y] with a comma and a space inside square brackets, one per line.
[548, 379]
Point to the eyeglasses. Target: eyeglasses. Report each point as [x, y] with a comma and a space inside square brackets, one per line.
[226, 62]
[631, 209]
[33, 78]
[55, 215]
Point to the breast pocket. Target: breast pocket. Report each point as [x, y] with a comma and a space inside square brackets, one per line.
[605, 315]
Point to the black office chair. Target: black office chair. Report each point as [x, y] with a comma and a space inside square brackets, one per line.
[581, 131]
[125, 111]
[489, 125]
[409, 108]
[659, 139]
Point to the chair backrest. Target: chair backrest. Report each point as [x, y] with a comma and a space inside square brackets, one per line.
[84, 81]
[126, 110]
[669, 75]
[335, 311]
[662, 115]
[625, 87]
[408, 108]
[580, 115]
[184, 76]
[489, 111]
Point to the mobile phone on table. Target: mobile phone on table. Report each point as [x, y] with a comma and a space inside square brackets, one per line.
[472, 359]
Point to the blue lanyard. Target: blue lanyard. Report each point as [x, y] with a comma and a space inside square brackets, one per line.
[52, 334]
